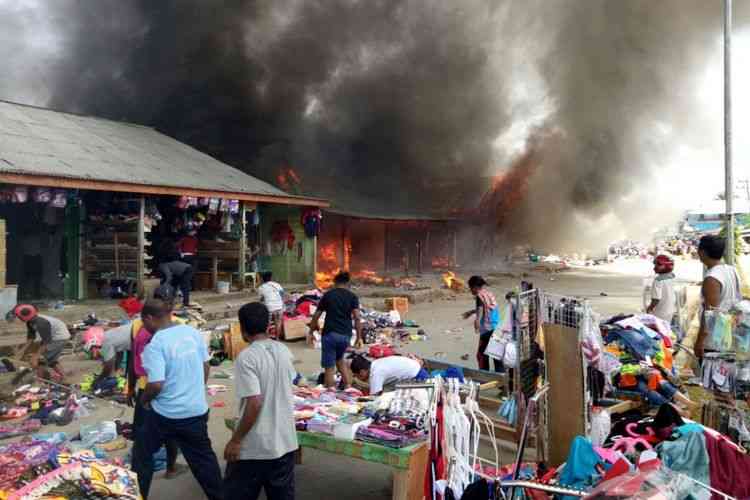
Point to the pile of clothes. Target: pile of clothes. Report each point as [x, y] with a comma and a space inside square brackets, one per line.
[50, 466]
[40, 405]
[395, 419]
[664, 452]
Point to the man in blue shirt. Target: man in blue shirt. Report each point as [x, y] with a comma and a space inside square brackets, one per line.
[176, 361]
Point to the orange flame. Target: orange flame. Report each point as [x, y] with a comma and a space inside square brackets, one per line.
[450, 280]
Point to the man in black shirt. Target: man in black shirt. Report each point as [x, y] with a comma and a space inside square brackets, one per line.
[340, 306]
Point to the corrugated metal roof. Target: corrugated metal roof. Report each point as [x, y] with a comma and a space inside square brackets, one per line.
[42, 142]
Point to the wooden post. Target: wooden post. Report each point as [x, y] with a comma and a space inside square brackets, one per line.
[385, 250]
[242, 263]
[315, 257]
[215, 272]
[455, 248]
[419, 257]
[141, 258]
[427, 249]
[117, 255]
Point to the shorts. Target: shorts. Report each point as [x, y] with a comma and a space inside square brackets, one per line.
[334, 345]
[54, 351]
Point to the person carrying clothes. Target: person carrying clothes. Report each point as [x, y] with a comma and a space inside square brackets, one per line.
[486, 318]
[663, 297]
[272, 295]
[49, 334]
[260, 454]
[721, 288]
[340, 306]
[174, 271]
[138, 379]
[385, 371]
[174, 400]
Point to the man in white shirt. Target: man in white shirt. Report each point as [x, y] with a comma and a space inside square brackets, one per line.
[384, 371]
[663, 297]
[721, 287]
[260, 454]
[272, 296]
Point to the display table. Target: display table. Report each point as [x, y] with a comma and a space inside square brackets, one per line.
[408, 464]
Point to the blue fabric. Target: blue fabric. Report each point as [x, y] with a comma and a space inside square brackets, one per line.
[494, 319]
[638, 343]
[580, 467]
[689, 428]
[175, 357]
[422, 375]
[451, 372]
[657, 398]
[687, 455]
[333, 347]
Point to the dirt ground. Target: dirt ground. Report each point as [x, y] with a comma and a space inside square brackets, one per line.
[325, 476]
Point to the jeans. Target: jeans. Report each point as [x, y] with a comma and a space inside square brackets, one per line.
[244, 479]
[178, 274]
[139, 413]
[663, 394]
[191, 435]
[334, 345]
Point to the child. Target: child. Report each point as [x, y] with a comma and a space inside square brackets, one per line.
[487, 318]
[272, 295]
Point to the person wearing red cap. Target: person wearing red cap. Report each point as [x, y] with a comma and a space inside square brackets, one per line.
[50, 334]
[663, 298]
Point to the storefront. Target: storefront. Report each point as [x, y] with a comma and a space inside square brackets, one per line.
[88, 203]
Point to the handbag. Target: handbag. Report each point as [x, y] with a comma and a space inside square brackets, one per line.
[510, 358]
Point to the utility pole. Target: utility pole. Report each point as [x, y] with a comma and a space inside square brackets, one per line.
[745, 185]
[728, 177]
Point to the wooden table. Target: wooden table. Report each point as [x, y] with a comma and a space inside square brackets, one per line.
[409, 464]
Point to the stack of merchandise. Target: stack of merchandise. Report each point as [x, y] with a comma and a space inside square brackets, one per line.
[50, 466]
[395, 419]
[40, 405]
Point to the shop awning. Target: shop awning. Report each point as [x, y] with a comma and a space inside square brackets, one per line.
[42, 147]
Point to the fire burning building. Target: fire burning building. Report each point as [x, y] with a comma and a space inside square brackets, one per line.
[383, 247]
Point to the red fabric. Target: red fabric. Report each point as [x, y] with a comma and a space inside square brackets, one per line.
[381, 351]
[131, 306]
[188, 244]
[728, 468]
[436, 463]
[304, 308]
[664, 264]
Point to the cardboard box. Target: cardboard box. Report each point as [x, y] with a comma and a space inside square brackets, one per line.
[233, 341]
[400, 304]
[295, 329]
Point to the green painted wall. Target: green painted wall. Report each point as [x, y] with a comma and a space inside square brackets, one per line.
[297, 266]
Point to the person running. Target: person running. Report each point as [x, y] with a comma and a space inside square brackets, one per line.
[49, 334]
[176, 362]
[385, 371]
[340, 306]
[272, 296]
[260, 454]
[721, 288]
[663, 297]
[487, 317]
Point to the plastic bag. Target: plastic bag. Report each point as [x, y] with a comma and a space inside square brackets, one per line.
[510, 357]
[601, 425]
[101, 432]
[496, 347]
[508, 411]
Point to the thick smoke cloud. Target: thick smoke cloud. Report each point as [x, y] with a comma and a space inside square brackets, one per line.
[405, 101]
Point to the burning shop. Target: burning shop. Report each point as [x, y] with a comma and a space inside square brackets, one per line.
[383, 248]
[86, 203]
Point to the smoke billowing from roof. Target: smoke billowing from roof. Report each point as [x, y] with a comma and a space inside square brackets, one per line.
[390, 98]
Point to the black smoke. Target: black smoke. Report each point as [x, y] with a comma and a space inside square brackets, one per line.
[397, 100]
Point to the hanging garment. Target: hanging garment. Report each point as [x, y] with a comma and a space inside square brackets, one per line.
[479, 490]
[687, 455]
[728, 468]
[581, 466]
